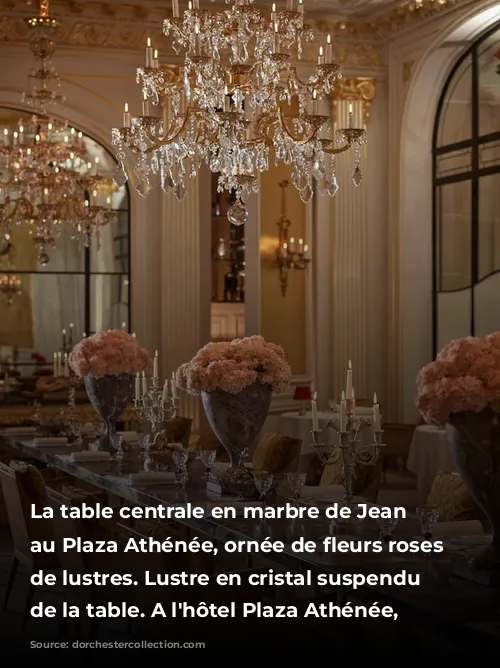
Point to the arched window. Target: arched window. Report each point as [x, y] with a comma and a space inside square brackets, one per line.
[466, 186]
[87, 288]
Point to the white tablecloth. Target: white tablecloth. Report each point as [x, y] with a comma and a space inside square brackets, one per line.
[429, 454]
[299, 426]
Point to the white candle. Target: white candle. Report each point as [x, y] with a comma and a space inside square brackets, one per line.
[348, 391]
[55, 365]
[353, 401]
[165, 392]
[66, 368]
[321, 58]
[289, 5]
[315, 103]
[314, 408]
[144, 383]
[343, 417]
[376, 414]
[276, 39]
[328, 54]
[126, 116]
[59, 364]
[155, 365]
[84, 335]
[175, 9]
[149, 53]
[351, 115]
[300, 8]
[156, 62]
[145, 105]
[273, 14]
[137, 386]
[173, 385]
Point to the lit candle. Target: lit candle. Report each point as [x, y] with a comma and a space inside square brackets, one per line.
[321, 58]
[137, 386]
[64, 338]
[84, 335]
[273, 14]
[55, 365]
[145, 105]
[197, 40]
[276, 39]
[66, 368]
[314, 408]
[173, 385]
[175, 9]
[289, 5]
[349, 382]
[292, 244]
[134, 335]
[165, 392]
[5, 137]
[126, 116]
[315, 103]
[155, 59]
[300, 8]
[328, 54]
[71, 333]
[285, 250]
[59, 364]
[351, 115]
[144, 383]
[353, 401]
[343, 411]
[149, 53]
[376, 414]
[155, 365]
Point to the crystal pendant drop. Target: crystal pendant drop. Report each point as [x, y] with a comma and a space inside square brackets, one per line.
[144, 188]
[237, 214]
[357, 176]
[120, 176]
[332, 186]
[180, 190]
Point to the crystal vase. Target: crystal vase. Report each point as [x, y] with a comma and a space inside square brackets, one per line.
[237, 419]
[109, 396]
[474, 440]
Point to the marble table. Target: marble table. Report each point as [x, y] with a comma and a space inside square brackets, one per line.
[442, 605]
[429, 454]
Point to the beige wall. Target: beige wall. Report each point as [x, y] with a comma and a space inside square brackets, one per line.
[282, 318]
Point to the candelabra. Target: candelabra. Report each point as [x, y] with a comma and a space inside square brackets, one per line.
[288, 256]
[72, 426]
[154, 408]
[349, 448]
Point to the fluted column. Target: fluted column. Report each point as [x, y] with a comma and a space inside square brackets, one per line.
[351, 326]
[185, 277]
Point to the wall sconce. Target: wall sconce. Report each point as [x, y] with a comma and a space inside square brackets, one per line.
[290, 254]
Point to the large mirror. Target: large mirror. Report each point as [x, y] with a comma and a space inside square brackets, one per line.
[80, 289]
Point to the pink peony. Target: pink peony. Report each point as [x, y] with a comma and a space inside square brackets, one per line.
[465, 377]
[110, 353]
[233, 366]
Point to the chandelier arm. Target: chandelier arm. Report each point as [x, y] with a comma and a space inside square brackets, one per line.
[339, 150]
[302, 141]
[304, 84]
[165, 140]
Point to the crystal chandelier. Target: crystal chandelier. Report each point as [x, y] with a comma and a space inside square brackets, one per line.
[238, 95]
[10, 287]
[46, 178]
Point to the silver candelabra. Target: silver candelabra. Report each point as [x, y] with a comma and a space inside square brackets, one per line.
[73, 429]
[154, 410]
[349, 448]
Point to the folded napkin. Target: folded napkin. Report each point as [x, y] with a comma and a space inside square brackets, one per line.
[20, 430]
[90, 456]
[49, 442]
[150, 478]
[449, 529]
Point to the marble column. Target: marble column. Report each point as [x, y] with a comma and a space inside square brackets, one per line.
[185, 279]
[350, 298]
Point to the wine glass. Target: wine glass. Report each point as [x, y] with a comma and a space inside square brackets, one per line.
[208, 458]
[295, 482]
[180, 459]
[386, 526]
[428, 516]
[263, 483]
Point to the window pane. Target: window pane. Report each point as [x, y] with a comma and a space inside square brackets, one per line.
[65, 256]
[489, 154]
[454, 162]
[453, 315]
[456, 118]
[488, 225]
[489, 84]
[113, 254]
[35, 320]
[454, 236]
[109, 300]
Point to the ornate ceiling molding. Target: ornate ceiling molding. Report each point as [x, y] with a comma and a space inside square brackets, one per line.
[356, 89]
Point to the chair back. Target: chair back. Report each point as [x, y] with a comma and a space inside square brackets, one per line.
[16, 515]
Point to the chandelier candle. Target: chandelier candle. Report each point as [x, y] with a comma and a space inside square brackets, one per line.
[223, 49]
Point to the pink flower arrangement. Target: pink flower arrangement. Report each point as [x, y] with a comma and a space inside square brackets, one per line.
[235, 365]
[465, 377]
[111, 353]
